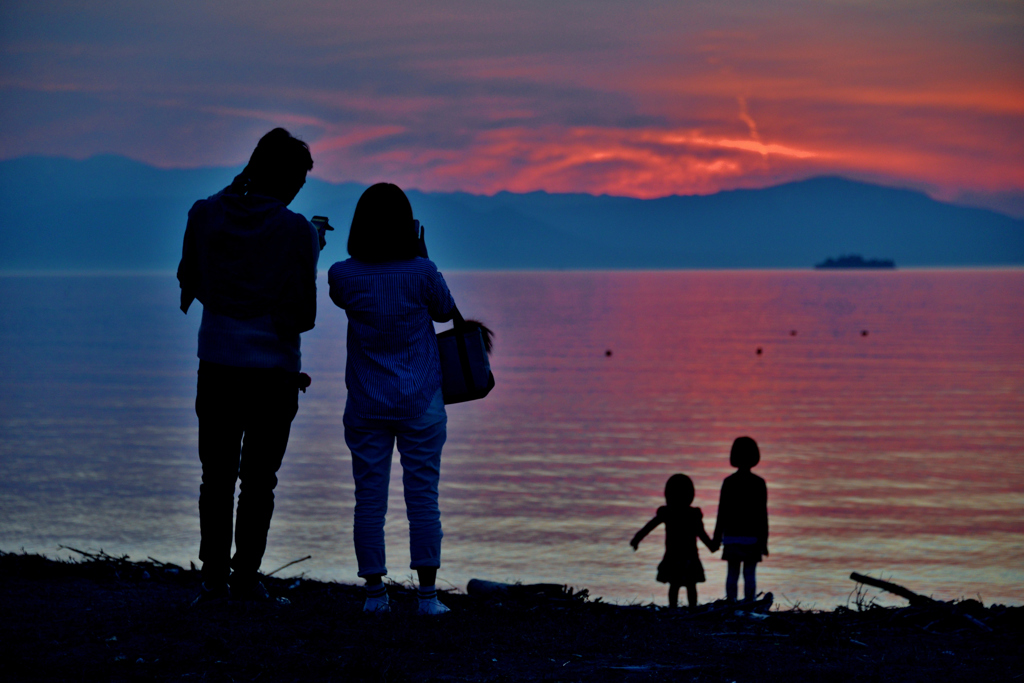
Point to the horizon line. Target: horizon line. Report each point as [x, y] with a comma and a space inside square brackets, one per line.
[932, 194]
[322, 272]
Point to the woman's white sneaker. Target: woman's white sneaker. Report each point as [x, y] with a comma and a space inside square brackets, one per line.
[432, 607]
[429, 604]
[377, 605]
[376, 599]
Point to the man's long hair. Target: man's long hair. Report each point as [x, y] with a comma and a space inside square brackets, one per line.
[278, 166]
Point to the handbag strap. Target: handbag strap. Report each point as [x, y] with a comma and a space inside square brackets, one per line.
[457, 319]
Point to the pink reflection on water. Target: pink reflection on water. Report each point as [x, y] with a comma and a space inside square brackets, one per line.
[895, 453]
[883, 452]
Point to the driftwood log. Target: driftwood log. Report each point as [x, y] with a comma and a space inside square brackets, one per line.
[516, 590]
[918, 600]
[896, 589]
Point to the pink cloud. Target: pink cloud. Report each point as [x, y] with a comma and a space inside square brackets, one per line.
[634, 162]
[665, 98]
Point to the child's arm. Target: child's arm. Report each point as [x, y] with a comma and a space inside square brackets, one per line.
[717, 539]
[703, 535]
[764, 519]
[648, 528]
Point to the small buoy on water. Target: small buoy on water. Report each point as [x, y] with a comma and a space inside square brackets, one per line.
[608, 353]
[863, 333]
[759, 350]
[792, 333]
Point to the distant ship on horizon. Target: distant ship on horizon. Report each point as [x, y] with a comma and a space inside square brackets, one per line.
[855, 261]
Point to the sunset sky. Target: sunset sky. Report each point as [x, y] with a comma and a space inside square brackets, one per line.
[643, 99]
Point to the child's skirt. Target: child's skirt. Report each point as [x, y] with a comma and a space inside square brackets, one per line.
[682, 569]
[741, 552]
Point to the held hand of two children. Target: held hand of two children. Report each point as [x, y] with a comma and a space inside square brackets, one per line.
[304, 381]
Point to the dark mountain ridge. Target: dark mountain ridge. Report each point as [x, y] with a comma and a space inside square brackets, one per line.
[111, 213]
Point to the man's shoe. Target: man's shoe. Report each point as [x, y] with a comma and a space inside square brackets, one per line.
[255, 591]
[211, 594]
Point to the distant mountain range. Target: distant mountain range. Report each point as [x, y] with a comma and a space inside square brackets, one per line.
[111, 213]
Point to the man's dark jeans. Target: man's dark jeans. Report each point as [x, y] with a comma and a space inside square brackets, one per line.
[245, 416]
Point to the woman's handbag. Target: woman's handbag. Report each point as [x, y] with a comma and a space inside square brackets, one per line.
[465, 368]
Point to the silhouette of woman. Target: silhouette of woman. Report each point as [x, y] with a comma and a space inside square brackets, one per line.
[742, 525]
[391, 292]
[683, 526]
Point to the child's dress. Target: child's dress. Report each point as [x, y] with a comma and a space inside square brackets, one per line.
[681, 564]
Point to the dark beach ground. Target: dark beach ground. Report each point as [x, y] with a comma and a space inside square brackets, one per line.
[113, 620]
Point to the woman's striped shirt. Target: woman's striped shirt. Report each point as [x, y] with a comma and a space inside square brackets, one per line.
[393, 369]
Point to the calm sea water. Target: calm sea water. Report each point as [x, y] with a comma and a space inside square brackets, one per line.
[889, 408]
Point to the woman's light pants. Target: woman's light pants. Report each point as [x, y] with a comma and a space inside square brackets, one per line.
[419, 441]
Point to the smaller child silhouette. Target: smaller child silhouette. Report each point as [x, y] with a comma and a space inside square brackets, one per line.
[743, 519]
[683, 526]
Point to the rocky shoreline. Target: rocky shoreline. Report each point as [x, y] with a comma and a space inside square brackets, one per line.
[111, 619]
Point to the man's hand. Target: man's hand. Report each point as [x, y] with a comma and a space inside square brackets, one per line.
[322, 226]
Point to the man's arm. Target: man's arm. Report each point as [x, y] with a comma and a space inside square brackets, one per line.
[188, 267]
[294, 307]
[309, 257]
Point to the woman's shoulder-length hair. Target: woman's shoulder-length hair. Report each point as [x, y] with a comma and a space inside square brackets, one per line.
[382, 226]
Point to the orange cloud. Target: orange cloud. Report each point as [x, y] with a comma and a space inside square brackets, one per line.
[664, 98]
[634, 162]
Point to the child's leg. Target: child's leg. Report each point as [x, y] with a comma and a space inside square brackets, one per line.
[749, 580]
[691, 594]
[673, 595]
[732, 579]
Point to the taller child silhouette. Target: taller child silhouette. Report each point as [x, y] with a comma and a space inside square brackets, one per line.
[742, 526]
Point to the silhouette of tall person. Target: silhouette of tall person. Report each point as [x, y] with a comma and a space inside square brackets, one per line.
[252, 263]
[742, 526]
